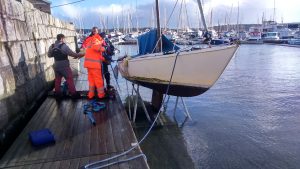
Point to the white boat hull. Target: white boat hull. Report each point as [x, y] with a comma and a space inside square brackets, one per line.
[195, 71]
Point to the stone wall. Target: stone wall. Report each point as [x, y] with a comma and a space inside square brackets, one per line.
[25, 70]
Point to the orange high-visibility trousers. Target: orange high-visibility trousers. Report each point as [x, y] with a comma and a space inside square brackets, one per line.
[95, 83]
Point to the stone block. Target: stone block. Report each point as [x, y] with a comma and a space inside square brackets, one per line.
[31, 49]
[32, 69]
[49, 32]
[17, 50]
[54, 31]
[7, 8]
[24, 50]
[42, 32]
[8, 77]
[3, 37]
[37, 17]
[72, 46]
[3, 7]
[22, 29]
[57, 23]
[51, 20]
[45, 18]
[3, 56]
[10, 28]
[36, 35]
[12, 9]
[27, 5]
[41, 47]
[2, 90]
[18, 10]
[17, 30]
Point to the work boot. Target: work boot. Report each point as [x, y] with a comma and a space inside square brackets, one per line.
[106, 96]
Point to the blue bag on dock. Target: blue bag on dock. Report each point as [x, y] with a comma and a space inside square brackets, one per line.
[41, 137]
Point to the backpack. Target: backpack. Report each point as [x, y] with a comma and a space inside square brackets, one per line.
[57, 53]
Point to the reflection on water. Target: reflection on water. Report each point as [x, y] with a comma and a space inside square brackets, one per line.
[251, 117]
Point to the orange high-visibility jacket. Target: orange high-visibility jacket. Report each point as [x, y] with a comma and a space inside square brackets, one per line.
[93, 53]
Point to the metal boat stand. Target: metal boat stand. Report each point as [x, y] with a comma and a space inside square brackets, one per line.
[186, 111]
[135, 103]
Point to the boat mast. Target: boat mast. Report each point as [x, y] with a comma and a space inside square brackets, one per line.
[238, 17]
[159, 47]
[157, 97]
[202, 15]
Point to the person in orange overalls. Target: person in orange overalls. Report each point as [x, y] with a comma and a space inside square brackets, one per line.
[93, 62]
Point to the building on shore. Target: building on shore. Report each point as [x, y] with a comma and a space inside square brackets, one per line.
[42, 5]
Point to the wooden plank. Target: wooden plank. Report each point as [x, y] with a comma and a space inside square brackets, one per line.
[35, 166]
[109, 140]
[129, 138]
[102, 134]
[22, 147]
[78, 142]
[43, 153]
[118, 131]
[116, 126]
[11, 153]
[74, 163]
[83, 161]
[78, 136]
[51, 165]
[35, 125]
[56, 127]
[71, 133]
[68, 133]
[94, 135]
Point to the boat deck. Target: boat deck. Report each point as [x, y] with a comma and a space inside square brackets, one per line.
[78, 142]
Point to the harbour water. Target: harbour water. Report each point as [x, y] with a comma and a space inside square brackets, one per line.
[249, 119]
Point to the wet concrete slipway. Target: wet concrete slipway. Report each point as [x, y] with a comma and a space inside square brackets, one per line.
[249, 119]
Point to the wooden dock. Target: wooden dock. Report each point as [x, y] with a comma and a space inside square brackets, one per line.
[78, 142]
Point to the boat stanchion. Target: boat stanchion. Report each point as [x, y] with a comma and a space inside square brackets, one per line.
[186, 111]
[136, 100]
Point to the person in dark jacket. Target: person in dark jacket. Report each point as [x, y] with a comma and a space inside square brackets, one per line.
[60, 51]
[108, 57]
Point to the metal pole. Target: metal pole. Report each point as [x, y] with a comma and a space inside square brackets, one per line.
[202, 14]
[175, 106]
[186, 110]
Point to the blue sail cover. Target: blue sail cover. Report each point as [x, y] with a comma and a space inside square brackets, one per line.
[148, 41]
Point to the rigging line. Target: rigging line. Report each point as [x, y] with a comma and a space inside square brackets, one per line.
[67, 4]
[186, 13]
[172, 13]
[180, 17]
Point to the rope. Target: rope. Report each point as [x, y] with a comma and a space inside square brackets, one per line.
[67, 4]
[161, 109]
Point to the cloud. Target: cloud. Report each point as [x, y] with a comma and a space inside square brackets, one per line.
[70, 11]
[112, 9]
[250, 11]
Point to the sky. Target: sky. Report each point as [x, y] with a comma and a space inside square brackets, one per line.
[133, 13]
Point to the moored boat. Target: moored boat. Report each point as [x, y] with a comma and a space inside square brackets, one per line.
[195, 71]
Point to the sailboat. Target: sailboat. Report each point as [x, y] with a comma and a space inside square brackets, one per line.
[195, 71]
